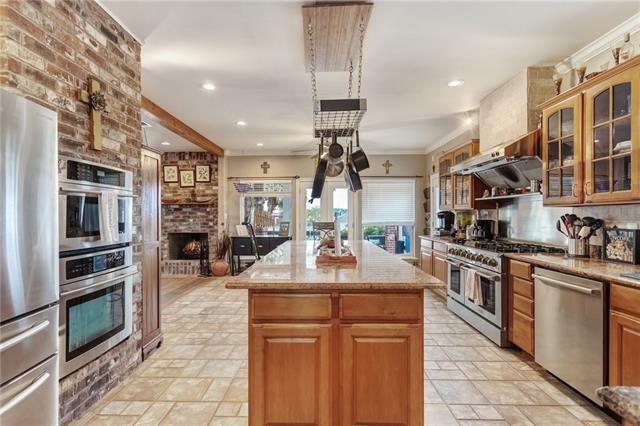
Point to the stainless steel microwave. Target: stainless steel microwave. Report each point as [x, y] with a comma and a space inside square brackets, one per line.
[84, 187]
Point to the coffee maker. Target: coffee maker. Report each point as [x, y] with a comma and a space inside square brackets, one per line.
[444, 224]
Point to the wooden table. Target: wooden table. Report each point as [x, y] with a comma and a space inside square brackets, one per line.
[335, 345]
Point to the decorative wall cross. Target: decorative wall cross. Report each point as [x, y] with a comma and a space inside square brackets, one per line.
[387, 165]
[265, 167]
[98, 103]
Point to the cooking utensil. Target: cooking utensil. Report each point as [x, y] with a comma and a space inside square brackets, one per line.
[559, 228]
[320, 176]
[335, 149]
[567, 225]
[354, 177]
[358, 157]
[584, 233]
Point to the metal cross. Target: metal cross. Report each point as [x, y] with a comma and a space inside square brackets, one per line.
[265, 166]
[387, 165]
[95, 99]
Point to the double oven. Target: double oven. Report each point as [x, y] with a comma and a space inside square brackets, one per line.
[485, 309]
[96, 268]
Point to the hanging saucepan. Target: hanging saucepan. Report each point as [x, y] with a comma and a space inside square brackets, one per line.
[354, 177]
[347, 176]
[321, 169]
[335, 164]
[358, 157]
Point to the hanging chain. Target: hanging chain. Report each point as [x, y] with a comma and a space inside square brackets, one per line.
[312, 63]
[362, 29]
[350, 78]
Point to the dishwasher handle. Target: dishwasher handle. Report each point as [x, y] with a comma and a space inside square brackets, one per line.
[572, 287]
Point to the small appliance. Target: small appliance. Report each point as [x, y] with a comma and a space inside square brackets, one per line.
[444, 223]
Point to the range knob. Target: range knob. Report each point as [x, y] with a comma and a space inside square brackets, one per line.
[493, 262]
[485, 260]
[451, 250]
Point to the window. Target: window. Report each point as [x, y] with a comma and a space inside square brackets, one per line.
[265, 204]
[388, 214]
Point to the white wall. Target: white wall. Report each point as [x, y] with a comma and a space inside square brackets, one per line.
[304, 167]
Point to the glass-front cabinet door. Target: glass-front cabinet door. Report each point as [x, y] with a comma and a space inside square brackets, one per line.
[612, 145]
[463, 184]
[562, 152]
[446, 182]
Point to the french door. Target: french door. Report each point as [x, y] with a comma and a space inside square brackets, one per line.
[336, 200]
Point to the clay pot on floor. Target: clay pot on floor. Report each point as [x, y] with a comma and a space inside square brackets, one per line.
[220, 267]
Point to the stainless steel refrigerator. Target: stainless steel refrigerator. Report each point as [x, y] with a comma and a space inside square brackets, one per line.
[28, 262]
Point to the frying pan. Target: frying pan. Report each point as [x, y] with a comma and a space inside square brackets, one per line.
[359, 158]
[335, 149]
[354, 177]
[334, 167]
[321, 169]
[347, 176]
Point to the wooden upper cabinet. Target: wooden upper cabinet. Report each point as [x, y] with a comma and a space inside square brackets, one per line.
[446, 182]
[464, 187]
[562, 152]
[612, 144]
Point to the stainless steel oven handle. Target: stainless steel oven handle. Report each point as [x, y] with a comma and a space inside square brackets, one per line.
[34, 329]
[453, 263]
[65, 191]
[489, 277]
[25, 393]
[98, 284]
[568, 286]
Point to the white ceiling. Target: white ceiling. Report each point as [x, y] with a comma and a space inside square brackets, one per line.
[253, 53]
[155, 135]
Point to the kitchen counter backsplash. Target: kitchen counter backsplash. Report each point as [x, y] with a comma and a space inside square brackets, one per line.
[527, 219]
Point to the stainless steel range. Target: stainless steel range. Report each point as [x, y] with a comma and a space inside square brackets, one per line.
[477, 283]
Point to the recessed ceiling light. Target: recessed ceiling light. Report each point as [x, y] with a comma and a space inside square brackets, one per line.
[455, 83]
[241, 123]
[165, 143]
[208, 86]
[259, 144]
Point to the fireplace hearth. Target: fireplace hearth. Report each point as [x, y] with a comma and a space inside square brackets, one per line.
[186, 245]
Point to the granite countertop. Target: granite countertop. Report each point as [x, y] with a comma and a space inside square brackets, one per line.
[590, 268]
[292, 266]
[434, 238]
[623, 400]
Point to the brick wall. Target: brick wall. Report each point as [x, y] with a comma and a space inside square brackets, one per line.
[48, 51]
[193, 217]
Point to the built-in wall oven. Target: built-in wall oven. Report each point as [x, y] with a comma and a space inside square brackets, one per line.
[95, 304]
[95, 204]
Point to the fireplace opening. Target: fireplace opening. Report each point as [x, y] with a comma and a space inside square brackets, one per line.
[186, 245]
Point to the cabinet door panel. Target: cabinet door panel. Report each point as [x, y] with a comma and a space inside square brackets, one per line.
[612, 139]
[624, 347]
[562, 152]
[292, 362]
[426, 261]
[440, 267]
[378, 361]
[523, 332]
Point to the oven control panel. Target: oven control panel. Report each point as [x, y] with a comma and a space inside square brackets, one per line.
[473, 256]
[85, 266]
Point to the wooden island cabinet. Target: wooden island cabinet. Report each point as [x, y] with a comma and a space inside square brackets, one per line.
[624, 336]
[333, 345]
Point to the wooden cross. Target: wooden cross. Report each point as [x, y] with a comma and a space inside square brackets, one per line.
[265, 166]
[387, 165]
[96, 100]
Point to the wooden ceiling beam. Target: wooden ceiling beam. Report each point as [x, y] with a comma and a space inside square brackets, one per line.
[170, 122]
[336, 33]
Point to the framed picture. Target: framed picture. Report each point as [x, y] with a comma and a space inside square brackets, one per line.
[170, 174]
[284, 229]
[203, 174]
[187, 178]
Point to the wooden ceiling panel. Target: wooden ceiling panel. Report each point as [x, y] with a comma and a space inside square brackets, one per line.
[336, 33]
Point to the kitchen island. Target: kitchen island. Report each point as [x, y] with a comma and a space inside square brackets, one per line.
[335, 344]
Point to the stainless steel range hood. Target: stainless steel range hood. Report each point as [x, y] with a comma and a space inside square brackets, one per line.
[512, 165]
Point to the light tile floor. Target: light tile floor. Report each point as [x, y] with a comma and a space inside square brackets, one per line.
[199, 375]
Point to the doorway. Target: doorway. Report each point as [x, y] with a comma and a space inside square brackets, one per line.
[335, 200]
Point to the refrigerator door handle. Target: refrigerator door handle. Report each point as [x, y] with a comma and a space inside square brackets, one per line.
[34, 329]
[25, 393]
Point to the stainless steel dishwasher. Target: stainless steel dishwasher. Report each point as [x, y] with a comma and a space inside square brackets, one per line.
[569, 329]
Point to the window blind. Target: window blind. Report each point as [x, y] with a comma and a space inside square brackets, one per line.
[388, 202]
